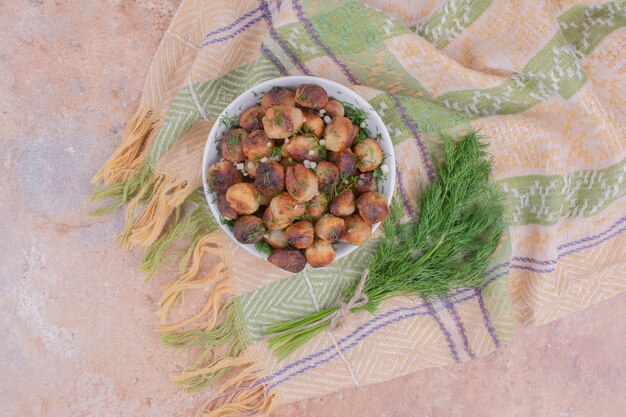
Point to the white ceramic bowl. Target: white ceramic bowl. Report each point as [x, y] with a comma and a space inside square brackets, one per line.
[335, 90]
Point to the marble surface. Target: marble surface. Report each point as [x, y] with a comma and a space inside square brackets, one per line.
[76, 323]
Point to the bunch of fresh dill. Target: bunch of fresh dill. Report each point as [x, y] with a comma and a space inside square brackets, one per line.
[461, 220]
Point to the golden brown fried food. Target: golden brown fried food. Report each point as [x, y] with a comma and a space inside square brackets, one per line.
[270, 178]
[329, 228]
[339, 134]
[364, 183]
[311, 96]
[313, 124]
[276, 238]
[273, 223]
[243, 197]
[248, 229]
[303, 147]
[301, 183]
[251, 118]
[357, 230]
[368, 154]
[320, 253]
[346, 163]
[282, 121]
[343, 204]
[225, 208]
[300, 234]
[334, 108]
[284, 206]
[327, 176]
[232, 147]
[317, 206]
[278, 96]
[291, 260]
[284, 194]
[373, 207]
[257, 145]
[222, 175]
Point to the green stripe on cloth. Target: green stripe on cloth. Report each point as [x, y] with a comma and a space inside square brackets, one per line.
[213, 96]
[372, 29]
[315, 289]
[544, 199]
[555, 69]
[326, 19]
[450, 21]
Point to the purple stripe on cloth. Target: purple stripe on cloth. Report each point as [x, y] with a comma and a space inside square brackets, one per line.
[408, 313]
[354, 80]
[235, 33]
[274, 60]
[413, 129]
[385, 319]
[231, 25]
[405, 200]
[533, 261]
[593, 244]
[399, 314]
[565, 245]
[413, 312]
[445, 331]
[268, 18]
[575, 250]
[460, 327]
[495, 268]
[309, 28]
[531, 269]
[587, 239]
[486, 319]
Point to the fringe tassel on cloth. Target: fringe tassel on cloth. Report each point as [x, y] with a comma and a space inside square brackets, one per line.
[244, 394]
[128, 158]
[166, 195]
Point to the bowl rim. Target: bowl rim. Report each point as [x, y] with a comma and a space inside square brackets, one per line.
[390, 158]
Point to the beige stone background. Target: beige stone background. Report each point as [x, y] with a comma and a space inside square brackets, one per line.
[76, 319]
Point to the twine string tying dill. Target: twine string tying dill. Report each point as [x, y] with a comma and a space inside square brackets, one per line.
[336, 318]
[358, 299]
[461, 221]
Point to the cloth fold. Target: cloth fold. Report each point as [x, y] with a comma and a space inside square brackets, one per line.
[547, 94]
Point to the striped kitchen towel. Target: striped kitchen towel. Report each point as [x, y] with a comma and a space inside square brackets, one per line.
[544, 82]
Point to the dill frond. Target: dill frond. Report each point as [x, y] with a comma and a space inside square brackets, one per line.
[461, 221]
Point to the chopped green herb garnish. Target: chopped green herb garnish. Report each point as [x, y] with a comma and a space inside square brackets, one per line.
[229, 122]
[355, 114]
[302, 97]
[277, 151]
[254, 233]
[263, 247]
[234, 140]
[277, 120]
[228, 222]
